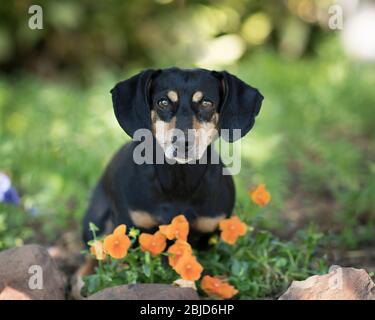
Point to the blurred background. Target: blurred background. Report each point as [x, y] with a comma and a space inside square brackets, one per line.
[312, 145]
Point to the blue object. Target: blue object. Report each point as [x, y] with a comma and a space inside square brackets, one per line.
[8, 194]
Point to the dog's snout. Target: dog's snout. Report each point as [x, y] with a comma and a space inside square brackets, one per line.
[183, 141]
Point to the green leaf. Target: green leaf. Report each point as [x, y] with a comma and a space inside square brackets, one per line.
[93, 228]
[236, 268]
[146, 270]
[239, 268]
[147, 257]
[281, 262]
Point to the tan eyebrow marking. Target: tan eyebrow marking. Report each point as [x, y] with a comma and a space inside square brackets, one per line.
[172, 95]
[197, 96]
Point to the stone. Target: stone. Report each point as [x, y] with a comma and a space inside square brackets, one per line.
[29, 273]
[339, 284]
[145, 292]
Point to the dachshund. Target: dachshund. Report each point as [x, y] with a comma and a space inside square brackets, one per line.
[161, 102]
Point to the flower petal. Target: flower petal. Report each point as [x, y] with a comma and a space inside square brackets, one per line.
[120, 230]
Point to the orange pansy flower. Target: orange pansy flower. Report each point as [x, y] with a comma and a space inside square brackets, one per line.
[188, 267]
[117, 244]
[215, 287]
[153, 243]
[177, 229]
[231, 229]
[97, 249]
[260, 195]
[177, 250]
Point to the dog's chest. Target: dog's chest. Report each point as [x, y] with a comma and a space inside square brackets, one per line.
[179, 182]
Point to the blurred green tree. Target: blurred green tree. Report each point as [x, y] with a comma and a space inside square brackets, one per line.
[79, 37]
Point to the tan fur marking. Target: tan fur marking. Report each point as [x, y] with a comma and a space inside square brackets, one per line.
[206, 131]
[197, 96]
[143, 219]
[207, 224]
[87, 268]
[212, 124]
[77, 280]
[154, 118]
[161, 129]
[172, 95]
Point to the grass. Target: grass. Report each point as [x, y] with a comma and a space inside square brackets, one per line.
[14, 227]
[313, 146]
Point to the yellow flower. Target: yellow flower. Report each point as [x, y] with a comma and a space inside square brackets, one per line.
[97, 249]
[213, 240]
[133, 233]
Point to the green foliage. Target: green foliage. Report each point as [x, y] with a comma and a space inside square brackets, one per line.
[136, 267]
[54, 141]
[14, 226]
[259, 264]
[313, 144]
[85, 37]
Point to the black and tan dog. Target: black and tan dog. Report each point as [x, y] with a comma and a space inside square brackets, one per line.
[147, 195]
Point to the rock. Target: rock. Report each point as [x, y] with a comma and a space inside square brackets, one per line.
[339, 284]
[145, 292]
[29, 273]
[12, 294]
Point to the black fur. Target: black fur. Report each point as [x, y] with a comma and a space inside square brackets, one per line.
[166, 190]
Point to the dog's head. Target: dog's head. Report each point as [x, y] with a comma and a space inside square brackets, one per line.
[186, 109]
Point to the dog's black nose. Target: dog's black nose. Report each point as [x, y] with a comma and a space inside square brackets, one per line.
[183, 143]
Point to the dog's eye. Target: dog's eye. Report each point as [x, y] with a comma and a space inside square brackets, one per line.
[206, 103]
[163, 103]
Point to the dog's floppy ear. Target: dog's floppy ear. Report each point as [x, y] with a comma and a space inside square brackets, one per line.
[131, 102]
[240, 105]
